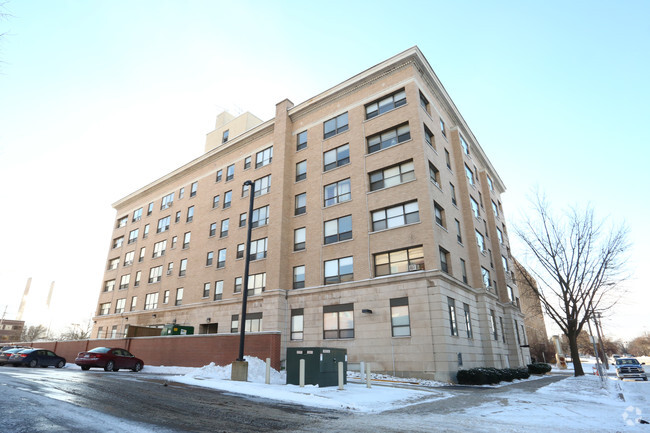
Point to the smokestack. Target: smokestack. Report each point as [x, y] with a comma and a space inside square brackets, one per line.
[23, 301]
[49, 295]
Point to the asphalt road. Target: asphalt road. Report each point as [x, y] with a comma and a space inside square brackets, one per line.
[71, 400]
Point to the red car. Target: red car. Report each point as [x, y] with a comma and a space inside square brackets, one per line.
[108, 358]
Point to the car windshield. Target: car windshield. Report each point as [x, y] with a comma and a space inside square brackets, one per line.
[100, 350]
[627, 362]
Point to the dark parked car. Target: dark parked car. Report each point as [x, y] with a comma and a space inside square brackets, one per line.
[36, 358]
[108, 358]
[6, 353]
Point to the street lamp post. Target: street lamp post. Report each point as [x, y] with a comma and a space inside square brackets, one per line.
[240, 367]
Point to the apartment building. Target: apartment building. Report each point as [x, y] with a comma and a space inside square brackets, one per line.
[377, 227]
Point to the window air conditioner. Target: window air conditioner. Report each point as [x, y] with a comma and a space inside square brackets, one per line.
[415, 267]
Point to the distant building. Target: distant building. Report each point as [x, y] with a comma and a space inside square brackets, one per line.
[378, 227]
[531, 306]
[11, 330]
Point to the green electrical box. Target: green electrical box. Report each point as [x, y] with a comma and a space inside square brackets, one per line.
[173, 329]
[321, 365]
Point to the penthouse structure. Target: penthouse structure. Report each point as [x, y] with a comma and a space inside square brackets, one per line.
[377, 227]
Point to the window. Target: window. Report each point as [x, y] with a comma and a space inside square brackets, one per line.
[490, 184]
[167, 201]
[230, 172]
[190, 214]
[335, 126]
[221, 260]
[165, 297]
[209, 258]
[395, 216]
[219, 176]
[242, 219]
[469, 174]
[241, 248]
[505, 264]
[424, 103]
[245, 190]
[301, 171]
[485, 274]
[181, 193]
[493, 325]
[339, 270]
[238, 285]
[495, 209]
[468, 321]
[511, 294]
[260, 217]
[179, 297]
[301, 204]
[193, 189]
[264, 157]
[392, 176]
[447, 159]
[299, 277]
[428, 137]
[442, 127]
[503, 331]
[385, 104]
[218, 290]
[234, 323]
[337, 192]
[337, 230]
[186, 240]
[224, 228]
[143, 252]
[213, 229]
[155, 274]
[151, 301]
[338, 321]
[227, 199]
[253, 322]
[134, 301]
[247, 163]
[480, 241]
[163, 224]
[256, 284]
[170, 268]
[118, 242]
[301, 142]
[453, 324]
[137, 215]
[100, 332]
[109, 285]
[389, 138]
[178, 216]
[336, 157]
[299, 239]
[113, 263]
[128, 258]
[258, 249]
[224, 138]
[444, 259]
[150, 209]
[453, 193]
[459, 236]
[399, 317]
[262, 186]
[206, 290]
[434, 174]
[439, 214]
[297, 323]
[475, 209]
[182, 269]
[122, 222]
[104, 309]
[464, 145]
[463, 269]
[398, 261]
[500, 235]
[146, 231]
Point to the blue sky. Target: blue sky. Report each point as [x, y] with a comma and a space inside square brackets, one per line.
[555, 92]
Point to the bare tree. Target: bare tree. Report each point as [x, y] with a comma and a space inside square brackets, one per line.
[34, 333]
[640, 346]
[578, 264]
[76, 332]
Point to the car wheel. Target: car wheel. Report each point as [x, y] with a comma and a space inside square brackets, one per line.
[137, 367]
[60, 364]
[645, 379]
[33, 363]
[85, 367]
[109, 366]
